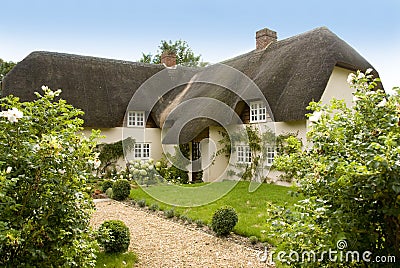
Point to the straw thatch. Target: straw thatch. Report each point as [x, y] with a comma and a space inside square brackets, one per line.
[290, 73]
[100, 87]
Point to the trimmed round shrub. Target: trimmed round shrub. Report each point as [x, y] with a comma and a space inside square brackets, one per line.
[114, 236]
[109, 192]
[105, 185]
[121, 189]
[169, 213]
[223, 220]
[141, 203]
[253, 240]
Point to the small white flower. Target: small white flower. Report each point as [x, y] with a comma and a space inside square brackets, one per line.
[382, 103]
[320, 210]
[61, 171]
[315, 117]
[350, 78]
[36, 147]
[96, 163]
[368, 71]
[8, 171]
[124, 262]
[370, 93]
[12, 115]
[44, 88]
[355, 98]
[51, 93]
[360, 75]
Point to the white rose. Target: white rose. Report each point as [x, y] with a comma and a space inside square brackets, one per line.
[315, 117]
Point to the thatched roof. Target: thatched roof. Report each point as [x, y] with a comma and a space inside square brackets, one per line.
[294, 71]
[290, 73]
[102, 88]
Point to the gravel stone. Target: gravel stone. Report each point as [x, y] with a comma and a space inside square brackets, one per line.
[159, 242]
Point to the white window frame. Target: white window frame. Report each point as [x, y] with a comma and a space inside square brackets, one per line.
[135, 119]
[258, 112]
[270, 155]
[243, 153]
[141, 150]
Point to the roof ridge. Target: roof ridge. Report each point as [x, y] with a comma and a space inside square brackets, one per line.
[279, 42]
[78, 57]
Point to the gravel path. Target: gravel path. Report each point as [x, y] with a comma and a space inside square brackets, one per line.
[164, 243]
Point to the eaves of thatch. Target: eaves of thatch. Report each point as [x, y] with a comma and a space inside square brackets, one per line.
[290, 73]
[102, 88]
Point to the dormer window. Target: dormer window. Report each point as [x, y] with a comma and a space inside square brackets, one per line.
[258, 112]
[135, 119]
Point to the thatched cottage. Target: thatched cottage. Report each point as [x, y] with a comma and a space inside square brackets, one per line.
[173, 104]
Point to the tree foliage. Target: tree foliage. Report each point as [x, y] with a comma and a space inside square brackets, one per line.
[350, 176]
[5, 67]
[44, 163]
[184, 54]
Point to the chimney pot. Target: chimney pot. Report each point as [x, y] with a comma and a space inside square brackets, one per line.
[264, 37]
[168, 58]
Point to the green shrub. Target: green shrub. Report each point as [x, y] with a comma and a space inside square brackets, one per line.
[154, 207]
[348, 175]
[106, 185]
[199, 223]
[223, 220]
[44, 166]
[170, 213]
[143, 172]
[141, 203]
[121, 189]
[253, 240]
[109, 192]
[114, 236]
[184, 218]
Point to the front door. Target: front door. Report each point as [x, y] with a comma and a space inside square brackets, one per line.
[197, 173]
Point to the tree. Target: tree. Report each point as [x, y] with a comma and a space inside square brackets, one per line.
[184, 54]
[349, 176]
[5, 67]
[44, 163]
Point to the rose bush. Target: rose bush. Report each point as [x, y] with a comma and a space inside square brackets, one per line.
[44, 163]
[349, 175]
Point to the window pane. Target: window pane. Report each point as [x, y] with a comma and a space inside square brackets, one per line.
[138, 150]
[262, 113]
[146, 150]
[270, 155]
[139, 118]
[248, 155]
[135, 119]
[240, 154]
[131, 118]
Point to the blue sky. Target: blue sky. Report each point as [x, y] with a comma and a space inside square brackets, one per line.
[122, 29]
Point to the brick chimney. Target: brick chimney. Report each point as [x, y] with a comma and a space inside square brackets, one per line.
[168, 58]
[265, 37]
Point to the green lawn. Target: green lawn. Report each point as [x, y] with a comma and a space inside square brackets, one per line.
[250, 206]
[116, 260]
